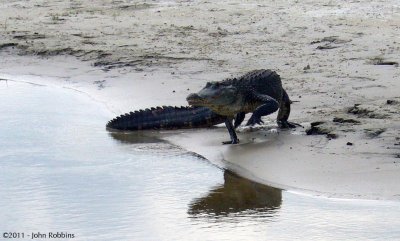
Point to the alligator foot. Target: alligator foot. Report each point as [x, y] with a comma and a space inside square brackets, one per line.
[287, 124]
[254, 120]
[231, 142]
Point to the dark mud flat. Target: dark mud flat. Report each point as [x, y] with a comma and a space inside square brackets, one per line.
[61, 171]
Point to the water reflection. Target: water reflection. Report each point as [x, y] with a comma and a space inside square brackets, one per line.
[135, 137]
[238, 196]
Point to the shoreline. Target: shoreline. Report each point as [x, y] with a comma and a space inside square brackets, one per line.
[337, 61]
[244, 159]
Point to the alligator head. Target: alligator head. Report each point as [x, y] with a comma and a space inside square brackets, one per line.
[215, 95]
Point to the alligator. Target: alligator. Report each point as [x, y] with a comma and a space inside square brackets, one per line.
[259, 92]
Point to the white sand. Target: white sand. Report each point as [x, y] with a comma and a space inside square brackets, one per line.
[132, 56]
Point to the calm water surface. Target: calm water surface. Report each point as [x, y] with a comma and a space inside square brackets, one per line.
[61, 171]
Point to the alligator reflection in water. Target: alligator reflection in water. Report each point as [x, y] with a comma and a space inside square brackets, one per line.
[237, 196]
[135, 137]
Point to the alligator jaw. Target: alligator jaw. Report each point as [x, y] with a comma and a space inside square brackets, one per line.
[195, 100]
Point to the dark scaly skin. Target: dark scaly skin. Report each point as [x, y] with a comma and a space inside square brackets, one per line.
[166, 118]
[259, 92]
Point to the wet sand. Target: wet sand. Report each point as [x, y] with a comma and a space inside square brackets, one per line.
[338, 61]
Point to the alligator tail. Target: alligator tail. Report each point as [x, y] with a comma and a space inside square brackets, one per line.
[165, 118]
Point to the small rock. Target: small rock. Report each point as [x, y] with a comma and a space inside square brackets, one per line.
[365, 112]
[317, 123]
[332, 135]
[392, 102]
[307, 67]
[374, 132]
[342, 120]
[327, 46]
[381, 61]
[349, 143]
[321, 128]
[5, 45]
[356, 110]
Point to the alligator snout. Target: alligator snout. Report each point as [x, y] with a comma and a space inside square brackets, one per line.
[192, 96]
[194, 99]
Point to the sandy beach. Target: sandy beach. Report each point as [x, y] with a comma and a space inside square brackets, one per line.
[339, 62]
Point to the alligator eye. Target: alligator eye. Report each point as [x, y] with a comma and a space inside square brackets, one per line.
[217, 84]
[208, 84]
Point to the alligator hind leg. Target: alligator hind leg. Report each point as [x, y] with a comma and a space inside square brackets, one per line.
[284, 112]
[232, 133]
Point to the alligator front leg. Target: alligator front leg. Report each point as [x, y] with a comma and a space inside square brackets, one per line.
[239, 119]
[269, 106]
[232, 133]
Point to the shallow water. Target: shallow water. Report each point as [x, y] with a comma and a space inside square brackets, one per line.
[61, 171]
